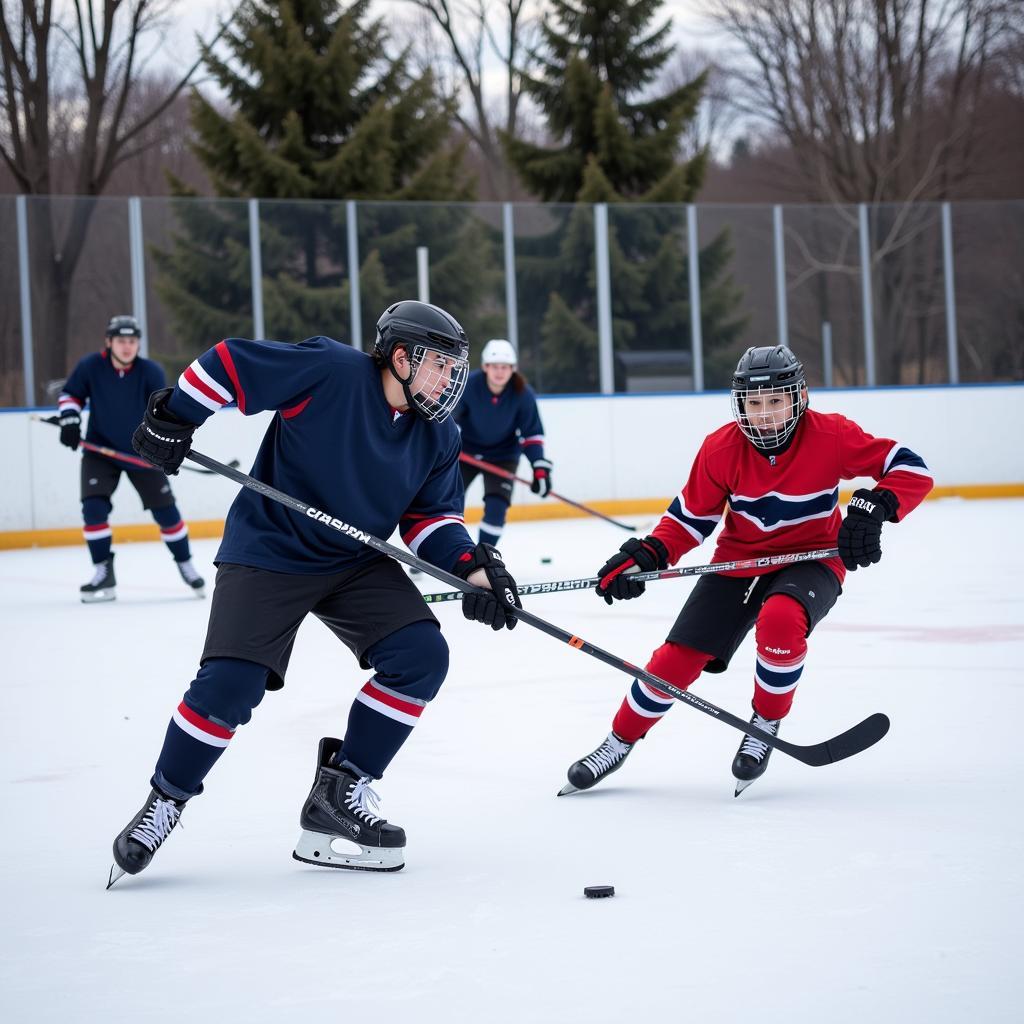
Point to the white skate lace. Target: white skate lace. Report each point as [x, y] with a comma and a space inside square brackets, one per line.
[751, 744]
[188, 572]
[161, 816]
[99, 576]
[362, 801]
[608, 754]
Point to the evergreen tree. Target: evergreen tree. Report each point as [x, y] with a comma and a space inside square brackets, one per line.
[319, 112]
[613, 142]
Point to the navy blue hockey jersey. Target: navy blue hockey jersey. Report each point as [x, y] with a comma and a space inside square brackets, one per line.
[499, 427]
[116, 398]
[336, 444]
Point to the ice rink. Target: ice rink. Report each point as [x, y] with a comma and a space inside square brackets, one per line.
[886, 887]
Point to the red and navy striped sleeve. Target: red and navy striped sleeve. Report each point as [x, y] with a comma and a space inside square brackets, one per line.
[75, 391]
[433, 527]
[253, 375]
[695, 512]
[891, 464]
[531, 430]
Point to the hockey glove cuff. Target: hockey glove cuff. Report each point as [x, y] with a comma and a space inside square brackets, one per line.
[70, 429]
[490, 608]
[163, 439]
[634, 556]
[860, 535]
[541, 478]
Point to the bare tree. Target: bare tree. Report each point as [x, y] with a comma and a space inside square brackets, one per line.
[880, 101]
[483, 40]
[70, 71]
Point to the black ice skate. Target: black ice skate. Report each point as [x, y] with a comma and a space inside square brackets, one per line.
[752, 757]
[191, 577]
[101, 586]
[144, 835]
[594, 767]
[339, 828]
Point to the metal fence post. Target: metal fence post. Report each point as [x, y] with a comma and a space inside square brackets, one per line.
[947, 267]
[256, 269]
[355, 309]
[137, 256]
[25, 294]
[604, 300]
[696, 333]
[867, 305]
[826, 353]
[423, 273]
[511, 299]
[781, 310]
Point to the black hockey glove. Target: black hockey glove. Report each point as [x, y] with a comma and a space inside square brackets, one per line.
[634, 556]
[541, 478]
[70, 429]
[490, 608]
[161, 438]
[860, 536]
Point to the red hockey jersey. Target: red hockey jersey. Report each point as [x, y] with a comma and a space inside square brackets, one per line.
[787, 503]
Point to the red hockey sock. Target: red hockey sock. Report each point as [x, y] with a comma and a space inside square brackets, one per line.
[781, 635]
[644, 705]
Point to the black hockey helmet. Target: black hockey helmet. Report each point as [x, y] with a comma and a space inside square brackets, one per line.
[773, 375]
[123, 326]
[428, 334]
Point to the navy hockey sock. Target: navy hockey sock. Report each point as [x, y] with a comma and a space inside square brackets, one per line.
[495, 510]
[97, 531]
[220, 699]
[410, 666]
[173, 532]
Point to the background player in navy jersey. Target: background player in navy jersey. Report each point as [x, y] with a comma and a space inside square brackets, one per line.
[369, 439]
[116, 384]
[777, 468]
[499, 421]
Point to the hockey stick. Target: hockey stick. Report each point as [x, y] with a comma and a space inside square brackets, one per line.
[846, 744]
[588, 583]
[489, 467]
[132, 460]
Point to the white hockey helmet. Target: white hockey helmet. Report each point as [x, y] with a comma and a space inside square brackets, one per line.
[498, 350]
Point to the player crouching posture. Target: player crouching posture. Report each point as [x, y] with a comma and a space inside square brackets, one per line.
[368, 439]
[778, 468]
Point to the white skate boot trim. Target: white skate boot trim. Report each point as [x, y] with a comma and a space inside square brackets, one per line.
[191, 577]
[338, 852]
[156, 824]
[96, 596]
[99, 577]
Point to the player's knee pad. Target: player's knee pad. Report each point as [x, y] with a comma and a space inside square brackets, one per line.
[781, 628]
[227, 689]
[413, 660]
[677, 664]
[495, 509]
[95, 510]
[166, 515]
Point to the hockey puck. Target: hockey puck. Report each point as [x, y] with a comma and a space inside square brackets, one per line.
[545, 561]
[598, 892]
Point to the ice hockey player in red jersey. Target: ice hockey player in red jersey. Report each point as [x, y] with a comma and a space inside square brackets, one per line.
[777, 469]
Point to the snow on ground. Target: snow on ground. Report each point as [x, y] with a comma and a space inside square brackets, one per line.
[888, 885]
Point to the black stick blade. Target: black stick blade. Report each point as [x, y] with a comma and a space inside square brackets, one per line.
[863, 735]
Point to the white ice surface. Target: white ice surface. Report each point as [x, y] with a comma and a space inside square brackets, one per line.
[886, 887]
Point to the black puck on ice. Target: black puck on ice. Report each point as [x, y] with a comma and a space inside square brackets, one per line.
[598, 892]
[545, 561]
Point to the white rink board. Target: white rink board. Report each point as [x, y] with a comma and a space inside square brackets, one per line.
[885, 888]
[603, 448]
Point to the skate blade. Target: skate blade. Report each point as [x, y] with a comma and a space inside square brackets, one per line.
[336, 852]
[114, 877]
[98, 596]
[741, 784]
[567, 789]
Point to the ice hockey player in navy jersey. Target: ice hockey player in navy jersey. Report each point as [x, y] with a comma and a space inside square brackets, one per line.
[116, 384]
[370, 439]
[777, 470]
[499, 421]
